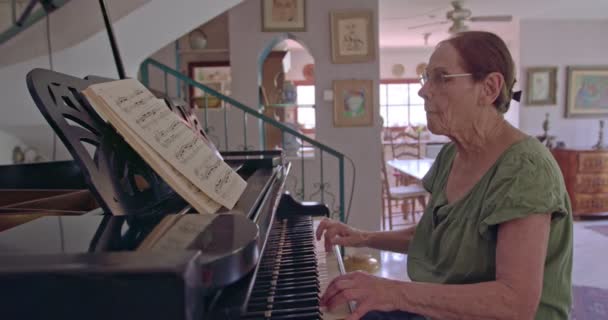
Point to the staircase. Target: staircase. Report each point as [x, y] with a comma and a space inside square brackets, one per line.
[80, 49]
[300, 182]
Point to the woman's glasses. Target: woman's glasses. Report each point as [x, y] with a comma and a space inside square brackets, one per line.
[439, 78]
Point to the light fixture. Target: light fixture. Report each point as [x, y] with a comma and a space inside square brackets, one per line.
[197, 39]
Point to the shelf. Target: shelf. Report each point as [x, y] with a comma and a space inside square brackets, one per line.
[202, 51]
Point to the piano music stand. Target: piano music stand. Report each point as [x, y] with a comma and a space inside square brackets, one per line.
[113, 171]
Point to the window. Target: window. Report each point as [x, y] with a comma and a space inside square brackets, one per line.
[400, 105]
[306, 106]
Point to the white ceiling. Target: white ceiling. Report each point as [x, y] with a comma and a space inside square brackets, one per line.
[397, 15]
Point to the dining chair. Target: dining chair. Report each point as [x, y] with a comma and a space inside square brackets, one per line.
[405, 144]
[406, 195]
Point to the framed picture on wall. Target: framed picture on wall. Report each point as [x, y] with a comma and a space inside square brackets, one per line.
[214, 75]
[587, 91]
[541, 86]
[283, 15]
[352, 36]
[353, 103]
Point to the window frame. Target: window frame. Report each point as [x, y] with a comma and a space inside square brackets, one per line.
[388, 81]
[311, 82]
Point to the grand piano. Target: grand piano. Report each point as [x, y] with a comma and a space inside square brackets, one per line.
[72, 232]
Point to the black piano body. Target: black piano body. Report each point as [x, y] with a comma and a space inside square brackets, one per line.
[82, 262]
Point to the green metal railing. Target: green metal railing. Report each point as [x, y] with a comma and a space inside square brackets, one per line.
[31, 18]
[263, 119]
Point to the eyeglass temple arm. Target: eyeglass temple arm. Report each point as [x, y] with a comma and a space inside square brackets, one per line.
[455, 75]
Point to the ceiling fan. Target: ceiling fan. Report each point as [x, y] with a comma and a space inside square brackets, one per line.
[459, 15]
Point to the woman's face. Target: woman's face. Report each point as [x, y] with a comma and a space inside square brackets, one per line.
[450, 102]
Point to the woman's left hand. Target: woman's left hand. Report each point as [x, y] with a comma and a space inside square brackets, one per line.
[368, 291]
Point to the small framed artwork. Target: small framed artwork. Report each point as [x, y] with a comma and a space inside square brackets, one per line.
[215, 75]
[352, 37]
[541, 86]
[353, 103]
[587, 92]
[283, 15]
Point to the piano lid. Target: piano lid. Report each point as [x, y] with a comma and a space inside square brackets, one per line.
[228, 247]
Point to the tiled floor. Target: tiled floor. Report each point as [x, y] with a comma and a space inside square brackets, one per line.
[590, 255]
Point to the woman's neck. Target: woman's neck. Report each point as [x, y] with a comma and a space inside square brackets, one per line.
[484, 135]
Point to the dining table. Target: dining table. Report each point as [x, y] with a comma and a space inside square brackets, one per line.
[416, 168]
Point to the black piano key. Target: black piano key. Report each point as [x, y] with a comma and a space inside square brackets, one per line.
[286, 270]
[296, 303]
[287, 282]
[296, 289]
[285, 311]
[283, 304]
[284, 297]
[284, 264]
[280, 274]
[300, 316]
[288, 259]
[281, 291]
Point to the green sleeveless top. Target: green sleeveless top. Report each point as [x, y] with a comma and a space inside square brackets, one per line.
[455, 243]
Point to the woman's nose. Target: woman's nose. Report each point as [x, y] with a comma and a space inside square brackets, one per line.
[423, 92]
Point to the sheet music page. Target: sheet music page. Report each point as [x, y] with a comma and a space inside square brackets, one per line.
[164, 131]
[195, 196]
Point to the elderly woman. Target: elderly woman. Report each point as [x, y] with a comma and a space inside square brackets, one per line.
[495, 241]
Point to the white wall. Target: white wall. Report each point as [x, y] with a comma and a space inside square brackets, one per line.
[299, 58]
[152, 25]
[245, 32]
[408, 57]
[562, 44]
[7, 143]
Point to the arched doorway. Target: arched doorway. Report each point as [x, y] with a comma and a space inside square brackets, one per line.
[287, 91]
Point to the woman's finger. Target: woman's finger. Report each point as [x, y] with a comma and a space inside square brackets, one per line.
[322, 226]
[330, 235]
[337, 284]
[362, 309]
[344, 296]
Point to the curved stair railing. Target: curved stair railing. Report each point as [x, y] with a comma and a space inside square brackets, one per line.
[320, 188]
[23, 17]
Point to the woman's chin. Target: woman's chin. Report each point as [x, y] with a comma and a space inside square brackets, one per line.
[434, 129]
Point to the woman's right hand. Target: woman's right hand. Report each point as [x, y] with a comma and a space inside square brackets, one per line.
[337, 233]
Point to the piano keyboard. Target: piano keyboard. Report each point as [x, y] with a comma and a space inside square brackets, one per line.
[294, 272]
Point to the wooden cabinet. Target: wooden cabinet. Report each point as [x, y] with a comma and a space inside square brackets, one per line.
[586, 176]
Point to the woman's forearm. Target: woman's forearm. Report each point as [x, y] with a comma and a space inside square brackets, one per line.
[396, 241]
[486, 300]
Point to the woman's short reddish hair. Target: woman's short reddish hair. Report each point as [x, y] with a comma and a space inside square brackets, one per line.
[482, 53]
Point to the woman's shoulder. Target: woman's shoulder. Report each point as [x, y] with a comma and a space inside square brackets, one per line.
[528, 152]
[529, 160]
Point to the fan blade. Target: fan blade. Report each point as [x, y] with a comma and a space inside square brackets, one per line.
[428, 24]
[491, 19]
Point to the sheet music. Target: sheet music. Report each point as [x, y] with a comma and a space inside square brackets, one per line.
[201, 202]
[164, 131]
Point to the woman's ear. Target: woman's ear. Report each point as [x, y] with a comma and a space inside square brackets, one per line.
[492, 86]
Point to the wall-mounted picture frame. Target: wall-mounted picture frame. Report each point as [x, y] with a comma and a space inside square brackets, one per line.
[352, 36]
[587, 91]
[353, 103]
[283, 15]
[215, 75]
[541, 86]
